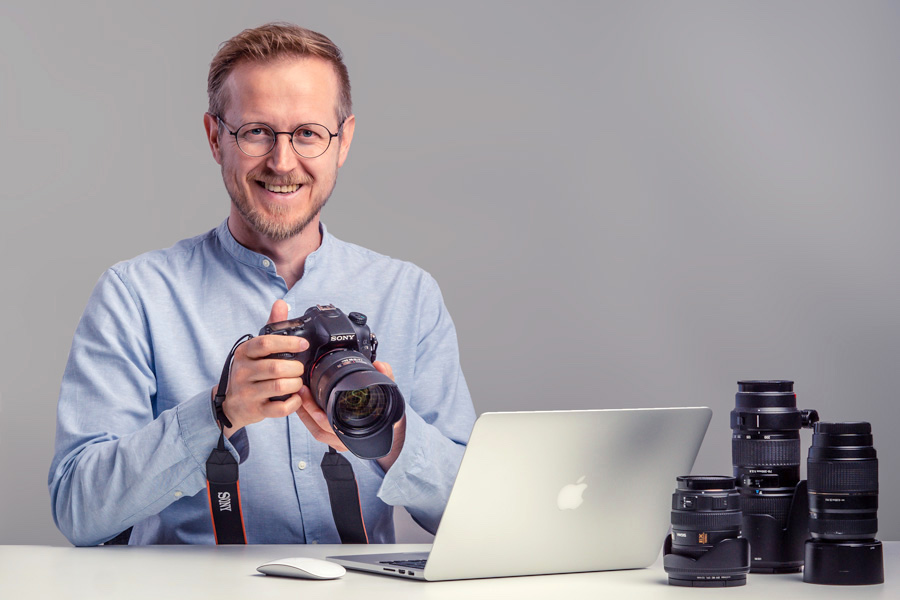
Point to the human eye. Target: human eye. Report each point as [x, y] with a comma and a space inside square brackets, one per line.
[255, 133]
[309, 134]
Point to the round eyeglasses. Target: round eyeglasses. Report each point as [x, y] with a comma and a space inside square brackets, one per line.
[257, 139]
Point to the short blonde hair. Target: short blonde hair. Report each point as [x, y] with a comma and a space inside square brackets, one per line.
[273, 41]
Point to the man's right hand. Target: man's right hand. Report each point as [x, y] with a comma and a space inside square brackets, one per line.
[255, 378]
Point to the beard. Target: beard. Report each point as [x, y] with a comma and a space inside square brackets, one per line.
[275, 220]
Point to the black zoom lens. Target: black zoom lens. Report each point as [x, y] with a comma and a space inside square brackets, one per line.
[765, 450]
[706, 548]
[843, 482]
[843, 507]
[361, 403]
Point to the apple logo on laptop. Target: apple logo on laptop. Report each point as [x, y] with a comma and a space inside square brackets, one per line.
[569, 497]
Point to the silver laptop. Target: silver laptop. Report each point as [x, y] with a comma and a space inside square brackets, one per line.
[557, 492]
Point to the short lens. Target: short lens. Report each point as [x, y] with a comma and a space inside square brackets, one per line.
[706, 548]
[705, 510]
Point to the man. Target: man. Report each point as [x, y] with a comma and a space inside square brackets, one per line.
[135, 420]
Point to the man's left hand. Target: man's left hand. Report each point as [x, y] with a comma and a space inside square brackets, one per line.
[316, 422]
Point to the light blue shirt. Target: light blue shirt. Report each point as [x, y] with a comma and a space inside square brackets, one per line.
[135, 423]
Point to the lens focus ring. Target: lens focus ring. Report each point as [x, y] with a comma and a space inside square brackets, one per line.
[765, 453]
[843, 476]
[706, 521]
[844, 527]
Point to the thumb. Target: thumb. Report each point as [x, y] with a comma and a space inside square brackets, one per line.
[279, 312]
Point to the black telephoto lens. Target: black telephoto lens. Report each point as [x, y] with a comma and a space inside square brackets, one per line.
[765, 450]
[843, 507]
[705, 548]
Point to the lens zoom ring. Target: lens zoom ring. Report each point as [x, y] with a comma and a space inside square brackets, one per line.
[858, 527]
[712, 521]
[776, 507]
[843, 476]
[765, 453]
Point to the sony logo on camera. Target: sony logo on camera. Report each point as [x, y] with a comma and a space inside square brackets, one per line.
[346, 337]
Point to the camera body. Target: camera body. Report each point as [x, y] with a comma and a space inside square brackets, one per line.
[362, 404]
[327, 329]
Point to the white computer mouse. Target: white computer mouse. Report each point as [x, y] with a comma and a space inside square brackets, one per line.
[303, 568]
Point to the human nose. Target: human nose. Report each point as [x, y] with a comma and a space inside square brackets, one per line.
[282, 157]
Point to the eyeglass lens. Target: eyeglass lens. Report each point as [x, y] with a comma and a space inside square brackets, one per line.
[309, 141]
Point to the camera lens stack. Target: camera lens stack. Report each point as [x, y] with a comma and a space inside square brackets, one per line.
[843, 507]
[705, 548]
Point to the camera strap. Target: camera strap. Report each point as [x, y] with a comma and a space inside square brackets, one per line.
[222, 486]
[343, 492]
[224, 492]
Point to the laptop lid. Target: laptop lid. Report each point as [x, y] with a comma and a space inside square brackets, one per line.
[565, 491]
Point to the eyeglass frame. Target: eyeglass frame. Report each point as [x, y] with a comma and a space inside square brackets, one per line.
[275, 135]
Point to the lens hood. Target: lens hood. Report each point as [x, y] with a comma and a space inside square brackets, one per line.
[844, 563]
[374, 441]
[725, 565]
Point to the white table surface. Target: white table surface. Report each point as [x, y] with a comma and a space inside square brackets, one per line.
[229, 572]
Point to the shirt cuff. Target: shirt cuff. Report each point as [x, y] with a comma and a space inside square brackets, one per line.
[200, 432]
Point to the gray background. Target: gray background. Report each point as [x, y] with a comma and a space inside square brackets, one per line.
[625, 204]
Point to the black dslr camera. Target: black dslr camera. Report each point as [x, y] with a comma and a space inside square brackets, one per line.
[362, 404]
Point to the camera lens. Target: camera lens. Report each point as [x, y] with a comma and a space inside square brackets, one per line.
[360, 408]
[843, 482]
[765, 450]
[705, 511]
[705, 547]
[362, 404]
[843, 507]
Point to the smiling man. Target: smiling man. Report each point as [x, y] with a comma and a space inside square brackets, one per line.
[136, 419]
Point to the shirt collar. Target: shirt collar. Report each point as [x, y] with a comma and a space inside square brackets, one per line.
[255, 259]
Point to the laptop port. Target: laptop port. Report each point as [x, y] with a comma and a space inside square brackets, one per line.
[391, 570]
[402, 571]
[411, 574]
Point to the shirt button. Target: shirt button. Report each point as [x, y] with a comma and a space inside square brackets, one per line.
[266, 262]
[301, 465]
[179, 494]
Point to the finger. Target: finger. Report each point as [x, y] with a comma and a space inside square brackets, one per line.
[384, 368]
[264, 345]
[273, 368]
[272, 388]
[279, 312]
[318, 425]
[326, 436]
[275, 409]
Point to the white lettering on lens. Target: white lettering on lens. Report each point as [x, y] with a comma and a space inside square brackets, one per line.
[224, 501]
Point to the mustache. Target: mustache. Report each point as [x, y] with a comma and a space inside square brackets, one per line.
[272, 179]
